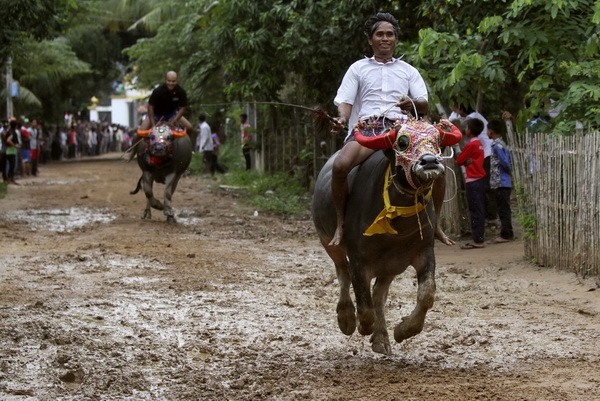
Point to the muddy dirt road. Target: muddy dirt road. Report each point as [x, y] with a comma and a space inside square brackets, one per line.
[96, 304]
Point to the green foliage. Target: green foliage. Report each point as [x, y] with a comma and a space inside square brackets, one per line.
[513, 55]
[42, 68]
[197, 164]
[3, 189]
[25, 20]
[279, 193]
[526, 219]
[528, 222]
[490, 54]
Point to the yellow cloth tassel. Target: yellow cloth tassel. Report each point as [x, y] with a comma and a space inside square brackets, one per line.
[382, 223]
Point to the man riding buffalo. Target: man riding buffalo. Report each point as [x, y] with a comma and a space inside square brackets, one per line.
[168, 103]
[376, 92]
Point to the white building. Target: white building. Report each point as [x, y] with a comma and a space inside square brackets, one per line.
[125, 109]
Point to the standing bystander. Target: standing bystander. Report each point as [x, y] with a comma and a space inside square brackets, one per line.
[204, 144]
[11, 146]
[472, 157]
[501, 179]
[3, 132]
[247, 137]
[35, 136]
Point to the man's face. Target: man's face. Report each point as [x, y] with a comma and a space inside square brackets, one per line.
[171, 81]
[383, 41]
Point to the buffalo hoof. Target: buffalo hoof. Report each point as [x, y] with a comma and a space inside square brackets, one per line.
[380, 342]
[147, 214]
[346, 319]
[407, 328]
[170, 215]
[157, 205]
[382, 348]
[366, 321]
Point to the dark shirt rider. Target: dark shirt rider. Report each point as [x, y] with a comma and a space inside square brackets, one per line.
[168, 103]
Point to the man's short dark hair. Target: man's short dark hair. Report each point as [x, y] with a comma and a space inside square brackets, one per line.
[201, 117]
[475, 125]
[497, 126]
[374, 21]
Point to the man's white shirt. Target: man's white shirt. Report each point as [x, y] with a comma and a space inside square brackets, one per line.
[373, 88]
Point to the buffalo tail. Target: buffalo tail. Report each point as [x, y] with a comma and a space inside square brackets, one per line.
[137, 188]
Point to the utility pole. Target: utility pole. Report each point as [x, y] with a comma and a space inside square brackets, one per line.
[9, 103]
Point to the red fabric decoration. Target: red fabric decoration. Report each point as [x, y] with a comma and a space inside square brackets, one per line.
[384, 141]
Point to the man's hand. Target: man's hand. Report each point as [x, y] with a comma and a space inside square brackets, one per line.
[406, 104]
[337, 124]
[468, 162]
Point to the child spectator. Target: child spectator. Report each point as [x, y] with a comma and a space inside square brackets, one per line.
[472, 157]
[501, 180]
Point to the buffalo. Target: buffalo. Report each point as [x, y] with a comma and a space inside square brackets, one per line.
[163, 155]
[389, 226]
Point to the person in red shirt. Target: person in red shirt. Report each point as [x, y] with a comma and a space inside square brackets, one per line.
[472, 158]
[25, 152]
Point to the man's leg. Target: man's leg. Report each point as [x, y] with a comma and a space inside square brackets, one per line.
[246, 153]
[476, 200]
[186, 124]
[351, 155]
[504, 212]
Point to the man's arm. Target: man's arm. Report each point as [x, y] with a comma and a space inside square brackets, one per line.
[151, 115]
[464, 155]
[344, 112]
[504, 159]
[178, 115]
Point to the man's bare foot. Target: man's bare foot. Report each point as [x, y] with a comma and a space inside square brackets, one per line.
[337, 237]
[439, 234]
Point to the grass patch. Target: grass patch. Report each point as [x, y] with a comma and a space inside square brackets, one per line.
[3, 189]
[280, 193]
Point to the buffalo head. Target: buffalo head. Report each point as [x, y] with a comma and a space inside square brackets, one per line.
[417, 148]
[159, 140]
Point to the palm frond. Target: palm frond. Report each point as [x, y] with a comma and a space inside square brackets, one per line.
[50, 61]
[25, 98]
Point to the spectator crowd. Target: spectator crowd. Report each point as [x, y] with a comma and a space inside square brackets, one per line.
[27, 144]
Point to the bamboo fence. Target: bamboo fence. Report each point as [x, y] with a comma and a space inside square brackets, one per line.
[454, 217]
[287, 141]
[555, 182]
[558, 194]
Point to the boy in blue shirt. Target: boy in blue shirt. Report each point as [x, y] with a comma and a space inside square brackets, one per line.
[501, 179]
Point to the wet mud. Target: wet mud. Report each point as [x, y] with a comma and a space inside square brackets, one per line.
[229, 304]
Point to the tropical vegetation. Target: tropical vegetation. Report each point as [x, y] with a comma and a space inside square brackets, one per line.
[493, 55]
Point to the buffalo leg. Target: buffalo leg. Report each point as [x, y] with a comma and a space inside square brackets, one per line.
[380, 341]
[364, 302]
[345, 307]
[151, 201]
[170, 186]
[413, 324]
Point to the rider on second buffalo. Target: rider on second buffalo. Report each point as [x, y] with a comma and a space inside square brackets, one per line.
[376, 92]
[168, 103]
